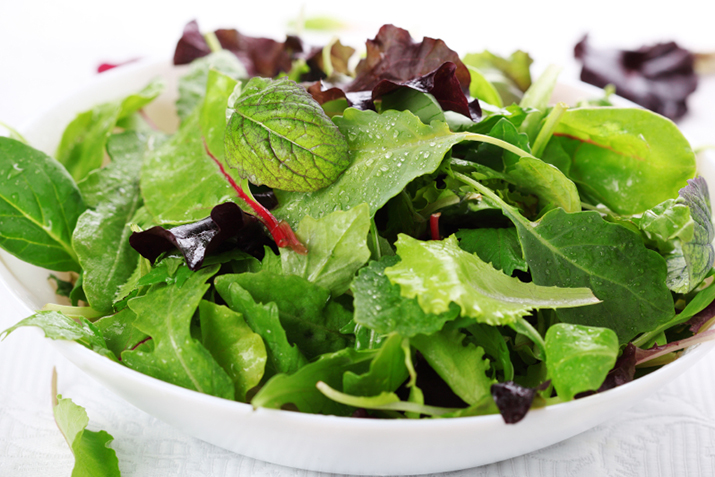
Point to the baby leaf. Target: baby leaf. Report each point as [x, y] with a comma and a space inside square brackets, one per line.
[92, 454]
[387, 151]
[279, 135]
[165, 313]
[439, 273]
[500, 247]
[628, 159]
[239, 351]
[387, 371]
[39, 206]
[578, 358]
[337, 248]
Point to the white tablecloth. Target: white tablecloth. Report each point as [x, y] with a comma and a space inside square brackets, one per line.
[49, 49]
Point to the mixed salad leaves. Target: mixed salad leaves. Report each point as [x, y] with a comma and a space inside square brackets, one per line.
[422, 236]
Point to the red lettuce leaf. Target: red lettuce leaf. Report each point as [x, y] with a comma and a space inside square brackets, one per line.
[198, 239]
[513, 400]
[700, 319]
[191, 45]
[658, 77]
[393, 55]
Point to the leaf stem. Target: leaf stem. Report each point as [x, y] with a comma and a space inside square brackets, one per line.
[547, 130]
[375, 239]
[282, 233]
[496, 142]
[434, 226]
[212, 41]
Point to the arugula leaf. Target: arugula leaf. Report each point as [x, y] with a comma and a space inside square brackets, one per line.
[180, 183]
[439, 273]
[279, 136]
[387, 371]
[239, 351]
[578, 357]
[693, 257]
[311, 320]
[582, 249]
[300, 389]
[387, 151]
[165, 313]
[462, 366]
[500, 247]
[282, 356]
[39, 206]
[192, 86]
[81, 148]
[337, 248]
[101, 237]
[58, 326]
[92, 454]
[380, 306]
[118, 332]
[628, 159]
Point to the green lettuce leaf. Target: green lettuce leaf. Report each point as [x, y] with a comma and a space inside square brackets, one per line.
[439, 273]
[500, 247]
[387, 371]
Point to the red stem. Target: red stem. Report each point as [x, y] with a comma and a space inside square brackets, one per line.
[434, 226]
[282, 233]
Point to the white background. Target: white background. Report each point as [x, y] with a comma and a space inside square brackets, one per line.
[51, 49]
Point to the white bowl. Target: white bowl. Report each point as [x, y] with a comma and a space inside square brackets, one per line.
[314, 442]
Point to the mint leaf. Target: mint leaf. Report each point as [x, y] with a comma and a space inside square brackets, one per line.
[578, 357]
[380, 306]
[39, 206]
[439, 273]
[92, 454]
[387, 151]
[239, 351]
[337, 248]
[165, 314]
[278, 135]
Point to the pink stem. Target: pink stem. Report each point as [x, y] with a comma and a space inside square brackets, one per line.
[434, 226]
[282, 233]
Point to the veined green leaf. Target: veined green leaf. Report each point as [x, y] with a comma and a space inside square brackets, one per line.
[439, 273]
[92, 454]
[165, 313]
[39, 207]
[337, 248]
[578, 358]
[387, 151]
[279, 135]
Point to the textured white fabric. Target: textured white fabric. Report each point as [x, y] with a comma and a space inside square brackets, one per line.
[50, 48]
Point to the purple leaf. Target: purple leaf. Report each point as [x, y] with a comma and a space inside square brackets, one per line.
[191, 45]
[700, 319]
[623, 371]
[260, 56]
[513, 400]
[198, 239]
[393, 55]
[644, 355]
[658, 77]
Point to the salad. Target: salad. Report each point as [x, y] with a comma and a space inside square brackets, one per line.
[421, 236]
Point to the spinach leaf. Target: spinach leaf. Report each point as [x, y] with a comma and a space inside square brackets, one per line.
[180, 183]
[311, 320]
[282, 356]
[39, 206]
[165, 313]
[192, 86]
[387, 151]
[583, 250]
[628, 159]
[300, 389]
[101, 237]
[239, 351]
[81, 148]
[337, 248]
[461, 365]
[439, 273]
[380, 306]
[278, 135]
[578, 358]
[92, 454]
[387, 371]
[500, 247]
